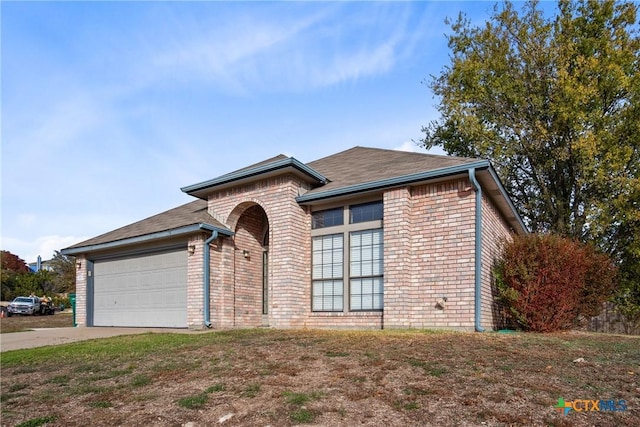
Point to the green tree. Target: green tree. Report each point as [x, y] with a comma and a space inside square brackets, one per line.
[64, 268]
[554, 103]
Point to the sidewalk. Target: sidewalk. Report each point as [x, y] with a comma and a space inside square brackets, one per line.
[56, 336]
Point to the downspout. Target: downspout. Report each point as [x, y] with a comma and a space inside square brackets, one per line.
[478, 250]
[207, 275]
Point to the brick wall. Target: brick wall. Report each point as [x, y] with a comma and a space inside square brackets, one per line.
[398, 251]
[248, 267]
[440, 256]
[195, 276]
[495, 231]
[429, 246]
[81, 291]
[289, 255]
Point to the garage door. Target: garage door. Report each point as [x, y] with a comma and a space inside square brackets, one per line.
[145, 291]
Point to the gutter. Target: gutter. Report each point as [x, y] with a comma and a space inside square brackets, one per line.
[478, 250]
[257, 170]
[207, 275]
[391, 182]
[180, 231]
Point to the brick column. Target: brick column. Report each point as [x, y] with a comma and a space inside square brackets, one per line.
[397, 257]
[81, 291]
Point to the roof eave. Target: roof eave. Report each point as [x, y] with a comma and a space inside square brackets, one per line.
[189, 229]
[199, 189]
[391, 182]
[516, 219]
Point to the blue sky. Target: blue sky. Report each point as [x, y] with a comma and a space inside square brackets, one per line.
[109, 108]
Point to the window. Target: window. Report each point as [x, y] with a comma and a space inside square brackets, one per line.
[327, 218]
[365, 212]
[366, 263]
[347, 264]
[328, 288]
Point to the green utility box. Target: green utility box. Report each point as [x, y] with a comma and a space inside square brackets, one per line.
[72, 300]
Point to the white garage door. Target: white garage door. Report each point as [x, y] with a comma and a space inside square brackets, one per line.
[141, 291]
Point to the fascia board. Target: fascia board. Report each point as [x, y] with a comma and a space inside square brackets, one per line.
[392, 182]
[506, 197]
[247, 173]
[189, 229]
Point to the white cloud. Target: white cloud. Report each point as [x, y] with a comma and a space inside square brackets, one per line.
[288, 50]
[412, 147]
[409, 146]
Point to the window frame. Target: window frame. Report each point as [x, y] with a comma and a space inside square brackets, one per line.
[331, 278]
[314, 221]
[363, 277]
[365, 205]
[346, 228]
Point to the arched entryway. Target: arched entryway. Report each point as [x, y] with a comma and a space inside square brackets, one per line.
[251, 272]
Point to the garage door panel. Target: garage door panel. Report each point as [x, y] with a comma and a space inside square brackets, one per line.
[144, 291]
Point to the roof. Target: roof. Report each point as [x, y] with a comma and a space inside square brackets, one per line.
[259, 171]
[354, 166]
[357, 167]
[359, 170]
[188, 218]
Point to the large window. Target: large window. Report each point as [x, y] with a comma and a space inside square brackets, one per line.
[348, 262]
[366, 270]
[328, 288]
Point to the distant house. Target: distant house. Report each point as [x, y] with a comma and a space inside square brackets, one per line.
[365, 238]
[41, 265]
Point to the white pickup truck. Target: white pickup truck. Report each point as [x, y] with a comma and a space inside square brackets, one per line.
[24, 305]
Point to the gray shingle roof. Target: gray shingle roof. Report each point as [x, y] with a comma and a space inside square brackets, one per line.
[360, 165]
[192, 213]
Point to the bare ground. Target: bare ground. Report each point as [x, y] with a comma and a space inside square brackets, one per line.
[329, 378]
[17, 323]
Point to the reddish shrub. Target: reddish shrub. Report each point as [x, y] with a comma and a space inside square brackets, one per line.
[548, 281]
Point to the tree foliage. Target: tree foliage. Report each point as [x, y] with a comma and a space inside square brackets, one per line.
[12, 263]
[554, 103]
[548, 282]
[18, 279]
[11, 267]
[64, 268]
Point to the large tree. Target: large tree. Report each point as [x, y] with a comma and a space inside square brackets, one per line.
[64, 268]
[553, 100]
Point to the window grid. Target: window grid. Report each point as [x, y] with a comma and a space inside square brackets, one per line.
[365, 212]
[366, 265]
[354, 252]
[327, 218]
[328, 287]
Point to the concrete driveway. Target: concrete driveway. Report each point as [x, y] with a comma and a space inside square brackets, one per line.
[55, 336]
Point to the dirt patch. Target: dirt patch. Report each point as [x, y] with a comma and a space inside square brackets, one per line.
[17, 323]
[283, 378]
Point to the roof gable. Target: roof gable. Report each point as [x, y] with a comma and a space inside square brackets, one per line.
[272, 167]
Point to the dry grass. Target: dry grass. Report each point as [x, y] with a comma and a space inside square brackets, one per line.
[16, 323]
[328, 378]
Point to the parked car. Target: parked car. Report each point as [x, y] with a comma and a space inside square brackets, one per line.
[24, 305]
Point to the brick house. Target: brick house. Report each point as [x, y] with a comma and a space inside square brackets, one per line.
[365, 238]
